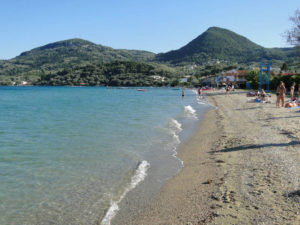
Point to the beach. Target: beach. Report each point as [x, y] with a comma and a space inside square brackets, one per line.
[241, 167]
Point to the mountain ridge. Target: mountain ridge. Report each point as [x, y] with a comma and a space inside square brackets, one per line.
[221, 43]
[68, 53]
[214, 44]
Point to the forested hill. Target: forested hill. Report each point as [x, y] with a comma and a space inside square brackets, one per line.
[113, 74]
[212, 45]
[67, 54]
[222, 44]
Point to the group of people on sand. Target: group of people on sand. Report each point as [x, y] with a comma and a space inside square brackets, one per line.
[280, 93]
[200, 92]
[260, 96]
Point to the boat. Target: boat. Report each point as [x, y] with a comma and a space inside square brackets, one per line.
[144, 90]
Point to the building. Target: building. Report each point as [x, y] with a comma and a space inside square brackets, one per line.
[237, 77]
[158, 78]
[210, 81]
[184, 79]
[23, 83]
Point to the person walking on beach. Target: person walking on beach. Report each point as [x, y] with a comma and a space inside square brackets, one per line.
[280, 92]
[292, 91]
[227, 90]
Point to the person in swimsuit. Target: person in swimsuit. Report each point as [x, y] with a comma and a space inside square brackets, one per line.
[292, 91]
[280, 92]
[263, 95]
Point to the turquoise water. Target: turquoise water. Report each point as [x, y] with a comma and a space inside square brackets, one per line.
[69, 154]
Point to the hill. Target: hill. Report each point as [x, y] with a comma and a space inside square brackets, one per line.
[222, 44]
[67, 54]
[119, 73]
[215, 44]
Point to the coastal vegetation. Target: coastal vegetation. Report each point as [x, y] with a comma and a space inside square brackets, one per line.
[253, 78]
[53, 57]
[119, 73]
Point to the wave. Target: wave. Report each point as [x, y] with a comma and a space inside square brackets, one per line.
[175, 127]
[174, 124]
[189, 111]
[201, 100]
[140, 174]
[195, 91]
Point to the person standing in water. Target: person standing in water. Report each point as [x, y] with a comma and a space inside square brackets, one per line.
[280, 92]
[182, 94]
[199, 92]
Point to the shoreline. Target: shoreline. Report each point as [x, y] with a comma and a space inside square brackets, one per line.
[241, 167]
[157, 210]
[135, 201]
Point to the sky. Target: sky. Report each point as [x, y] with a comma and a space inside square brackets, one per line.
[151, 25]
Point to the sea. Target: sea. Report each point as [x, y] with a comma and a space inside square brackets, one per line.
[85, 155]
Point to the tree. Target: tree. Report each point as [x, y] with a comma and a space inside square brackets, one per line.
[253, 78]
[293, 35]
[175, 82]
[284, 67]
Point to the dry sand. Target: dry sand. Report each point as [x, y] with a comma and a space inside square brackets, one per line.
[241, 167]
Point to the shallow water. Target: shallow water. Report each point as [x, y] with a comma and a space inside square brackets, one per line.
[67, 154]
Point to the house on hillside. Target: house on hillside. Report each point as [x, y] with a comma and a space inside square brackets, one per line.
[184, 79]
[158, 78]
[23, 83]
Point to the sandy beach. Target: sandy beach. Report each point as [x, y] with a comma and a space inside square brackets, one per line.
[241, 167]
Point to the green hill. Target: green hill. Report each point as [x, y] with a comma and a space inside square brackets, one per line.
[222, 44]
[214, 44]
[67, 54]
[119, 73]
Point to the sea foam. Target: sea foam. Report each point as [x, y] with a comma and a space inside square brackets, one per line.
[175, 125]
[189, 111]
[195, 91]
[175, 128]
[140, 174]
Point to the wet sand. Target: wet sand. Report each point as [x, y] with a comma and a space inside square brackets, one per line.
[241, 167]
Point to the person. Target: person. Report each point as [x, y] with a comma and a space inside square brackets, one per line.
[292, 91]
[182, 94]
[280, 92]
[257, 93]
[263, 95]
[199, 92]
[227, 89]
